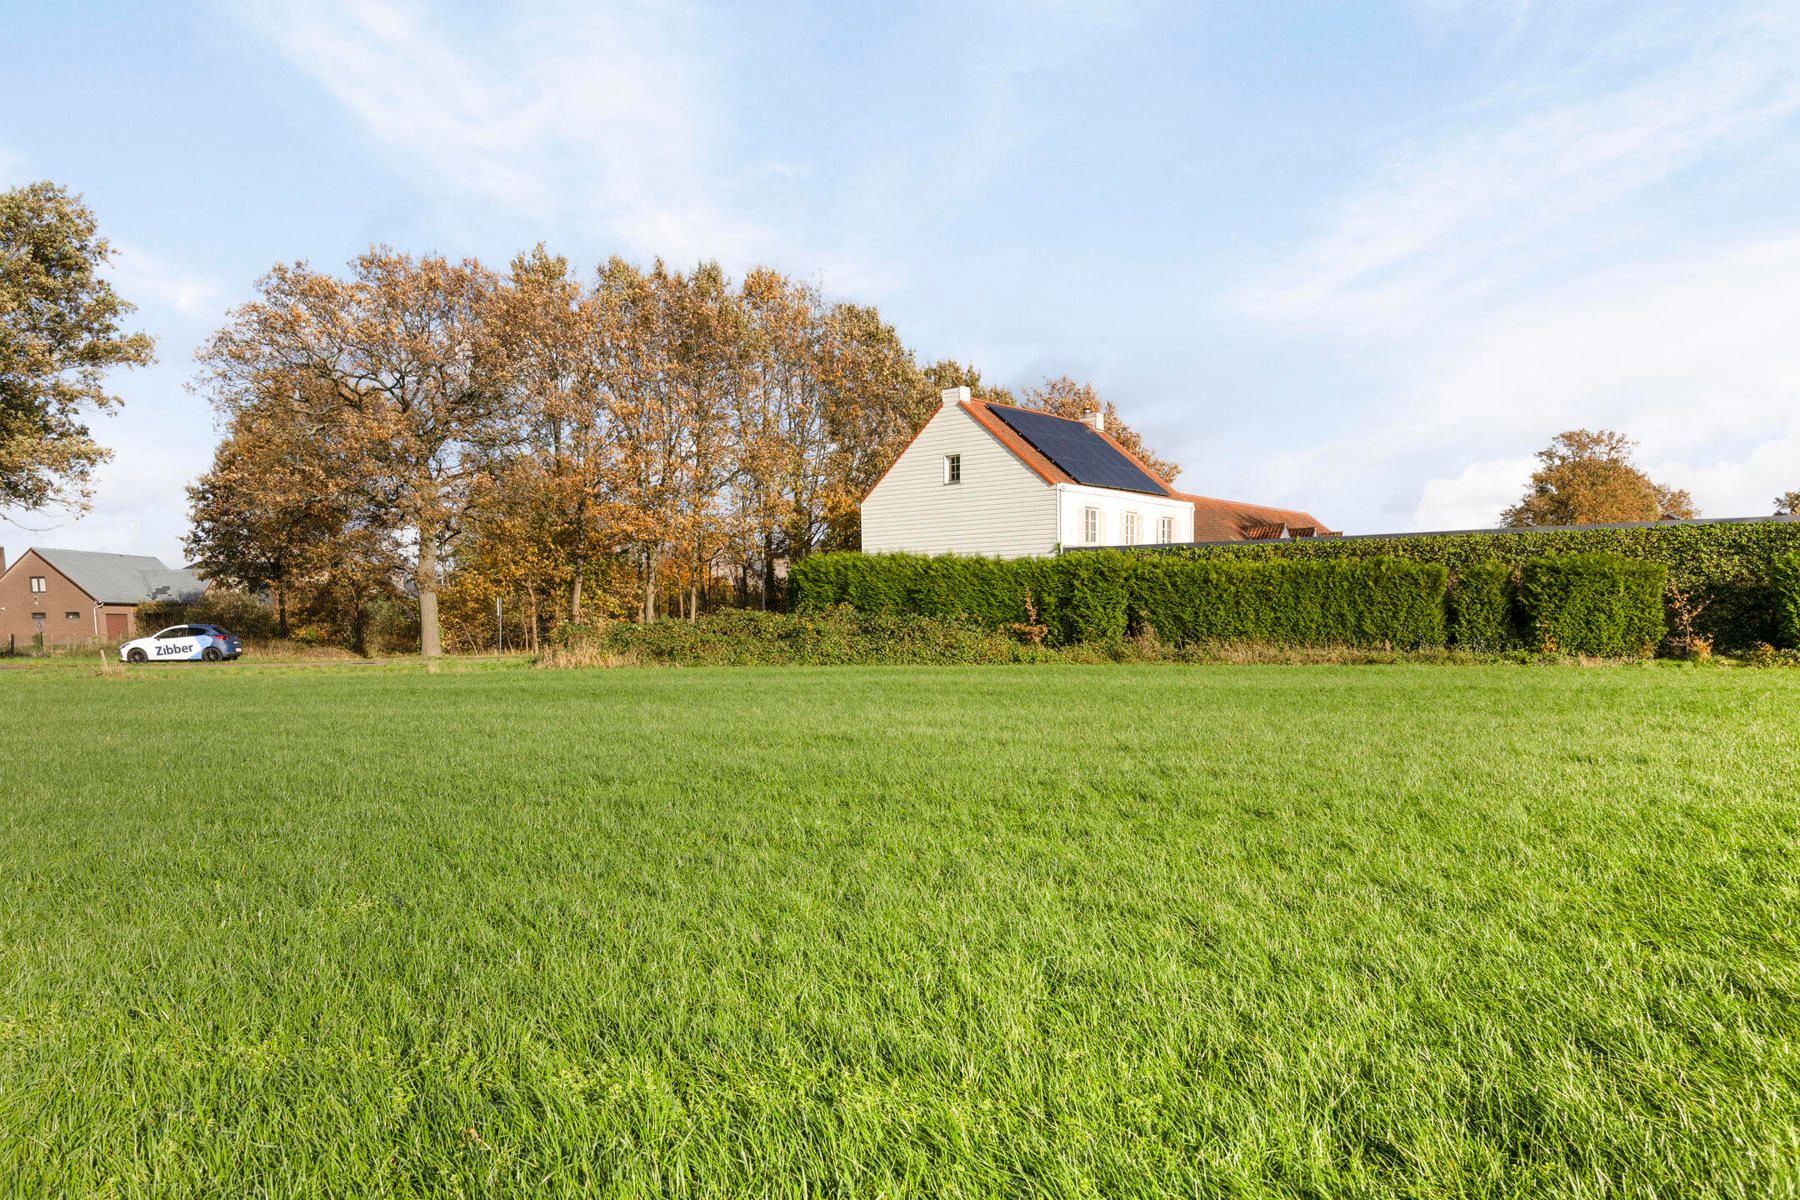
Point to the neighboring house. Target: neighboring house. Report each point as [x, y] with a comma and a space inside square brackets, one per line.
[992, 479]
[58, 597]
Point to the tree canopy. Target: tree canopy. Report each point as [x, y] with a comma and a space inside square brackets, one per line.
[60, 331]
[1587, 477]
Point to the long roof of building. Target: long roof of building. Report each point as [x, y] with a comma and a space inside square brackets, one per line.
[122, 578]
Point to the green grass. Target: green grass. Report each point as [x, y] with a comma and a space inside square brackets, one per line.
[948, 932]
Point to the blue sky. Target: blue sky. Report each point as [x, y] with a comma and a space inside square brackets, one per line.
[1357, 258]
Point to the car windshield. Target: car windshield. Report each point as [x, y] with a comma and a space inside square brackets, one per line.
[174, 631]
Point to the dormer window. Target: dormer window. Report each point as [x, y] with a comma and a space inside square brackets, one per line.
[952, 468]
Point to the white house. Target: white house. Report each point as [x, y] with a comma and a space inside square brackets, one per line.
[991, 479]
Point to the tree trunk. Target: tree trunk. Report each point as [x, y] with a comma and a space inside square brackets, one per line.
[281, 617]
[431, 643]
[648, 613]
[575, 597]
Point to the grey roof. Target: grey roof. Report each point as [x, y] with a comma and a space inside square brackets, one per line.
[123, 578]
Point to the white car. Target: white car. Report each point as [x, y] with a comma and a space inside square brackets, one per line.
[183, 643]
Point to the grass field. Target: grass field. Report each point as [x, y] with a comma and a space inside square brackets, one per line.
[947, 932]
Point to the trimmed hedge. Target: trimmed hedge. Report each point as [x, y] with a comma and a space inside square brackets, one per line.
[1483, 615]
[1724, 565]
[1102, 596]
[1383, 602]
[1600, 604]
[1784, 574]
[836, 636]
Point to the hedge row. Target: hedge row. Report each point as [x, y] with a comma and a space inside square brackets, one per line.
[1577, 604]
[1725, 567]
[1598, 604]
[1785, 576]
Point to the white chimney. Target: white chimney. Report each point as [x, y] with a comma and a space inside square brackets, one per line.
[1097, 419]
[954, 396]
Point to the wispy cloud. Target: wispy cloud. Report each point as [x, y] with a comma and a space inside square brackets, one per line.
[1517, 185]
[146, 278]
[596, 119]
[1518, 274]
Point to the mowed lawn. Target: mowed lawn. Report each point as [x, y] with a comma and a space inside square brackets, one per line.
[1243, 931]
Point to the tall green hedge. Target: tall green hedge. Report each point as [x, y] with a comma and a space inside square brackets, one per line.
[1785, 576]
[1600, 604]
[1380, 602]
[1724, 565]
[1102, 596]
[1483, 614]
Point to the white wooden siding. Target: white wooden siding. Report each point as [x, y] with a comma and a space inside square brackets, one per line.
[1001, 507]
[1113, 506]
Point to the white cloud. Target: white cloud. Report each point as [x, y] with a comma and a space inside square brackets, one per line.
[1446, 222]
[145, 278]
[1694, 357]
[601, 120]
[1519, 281]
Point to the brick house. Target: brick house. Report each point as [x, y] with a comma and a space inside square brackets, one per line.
[62, 597]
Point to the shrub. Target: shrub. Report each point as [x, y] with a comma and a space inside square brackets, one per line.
[1723, 566]
[837, 636]
[1482, 612]
[1784, 574]
[1382, 602]
[1102, 596]
[245, 615]
[1594, 604]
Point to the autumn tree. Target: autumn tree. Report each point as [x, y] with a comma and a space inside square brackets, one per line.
[1587, 477]
[259, 516]
[60, 330]
[1787, 504]
[556, 351]
[395, 365]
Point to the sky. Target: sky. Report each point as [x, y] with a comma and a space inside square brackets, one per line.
[1361, 259]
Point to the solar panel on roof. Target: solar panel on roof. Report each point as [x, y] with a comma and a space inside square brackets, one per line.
[1079, 450]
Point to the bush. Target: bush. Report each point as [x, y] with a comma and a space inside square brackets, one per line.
[1604, 605]
[1482, 613]
[837, 636]
[1722, 566]
[245, 615]
[1382, 602]
[1102, 596]
[1784, 574]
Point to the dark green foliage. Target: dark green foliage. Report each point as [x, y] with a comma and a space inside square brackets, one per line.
[1483, 615]
[1723, 565]
[1784, 574]
[1599, 604]
[1085, 597]
[247, 616]
[837, 636]
[1384, 602]
[1101, 596]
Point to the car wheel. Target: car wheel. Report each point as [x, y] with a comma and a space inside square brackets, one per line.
[136, 656]
[211, 654]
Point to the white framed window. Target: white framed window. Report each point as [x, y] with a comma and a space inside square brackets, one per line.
[1165, 530]
[952, 468]
[1090, 526]
[37, 584]
[1131, 529]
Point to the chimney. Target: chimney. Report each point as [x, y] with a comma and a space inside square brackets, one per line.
[954, 396]
[1097, 419]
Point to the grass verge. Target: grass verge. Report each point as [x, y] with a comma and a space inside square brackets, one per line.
[1057, 931]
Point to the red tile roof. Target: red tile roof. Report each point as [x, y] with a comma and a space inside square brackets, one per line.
[1235, 521]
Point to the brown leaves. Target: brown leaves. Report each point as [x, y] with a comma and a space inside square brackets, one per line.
[1587, 477]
